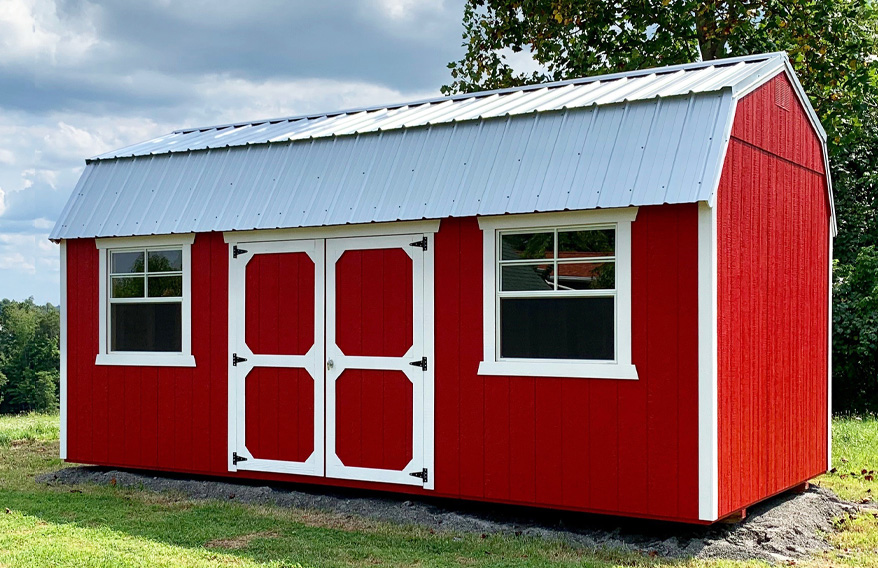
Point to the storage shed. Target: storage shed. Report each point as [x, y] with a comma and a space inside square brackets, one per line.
[610, 294]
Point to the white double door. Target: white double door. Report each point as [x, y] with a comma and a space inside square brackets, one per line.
[330, 352]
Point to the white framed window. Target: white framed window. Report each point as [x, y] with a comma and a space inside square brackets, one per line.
[145, 297]
[557, 294]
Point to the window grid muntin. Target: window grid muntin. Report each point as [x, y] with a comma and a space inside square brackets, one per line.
[554, 262]
[146, 298]
[500, 294]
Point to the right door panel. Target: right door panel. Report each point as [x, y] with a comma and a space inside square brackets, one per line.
[374, 334]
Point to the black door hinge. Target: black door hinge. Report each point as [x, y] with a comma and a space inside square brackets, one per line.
[236, 359]
[236, 251]
[422, 363]
[421, 243]
[423, 474]
[236, 458]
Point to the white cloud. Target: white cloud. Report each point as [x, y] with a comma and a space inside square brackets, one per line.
[32, 31]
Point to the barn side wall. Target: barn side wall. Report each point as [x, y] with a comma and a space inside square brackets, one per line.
[773, 244]
[613, 446]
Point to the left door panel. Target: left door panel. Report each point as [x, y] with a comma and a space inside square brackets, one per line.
[276, 379]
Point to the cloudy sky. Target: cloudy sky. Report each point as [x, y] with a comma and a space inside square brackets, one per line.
[78, 78]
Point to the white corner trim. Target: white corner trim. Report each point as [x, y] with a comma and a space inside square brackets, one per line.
[622, 367]
[334, 231]
[149, 241]
[63, 341]
[829, 364]
[133, 359]
[708, 441]
[144, 359]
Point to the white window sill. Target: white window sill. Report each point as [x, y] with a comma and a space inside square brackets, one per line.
[145, 359]
[556, 369]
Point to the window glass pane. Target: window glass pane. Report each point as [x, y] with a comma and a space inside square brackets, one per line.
[527, 245]
[165, 286]
[584, 244]
[146, 327]
[128, 287]
[165, 260]
[587, 276]
[127, 262]
[517, 277]
[557, 328]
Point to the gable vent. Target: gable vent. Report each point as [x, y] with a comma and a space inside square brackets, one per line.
[782, 93]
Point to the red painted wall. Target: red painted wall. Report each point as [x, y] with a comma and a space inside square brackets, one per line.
[773, 294]
[613, 446]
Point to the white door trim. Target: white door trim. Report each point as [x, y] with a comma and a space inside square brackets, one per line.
[312, 361]
[333, 231]
[422, 346]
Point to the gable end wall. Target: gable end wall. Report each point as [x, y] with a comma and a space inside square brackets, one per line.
[773, 223]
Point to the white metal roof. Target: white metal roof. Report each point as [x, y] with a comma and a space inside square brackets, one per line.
[641, 138]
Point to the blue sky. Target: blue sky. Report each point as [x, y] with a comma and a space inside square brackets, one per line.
[78, 78]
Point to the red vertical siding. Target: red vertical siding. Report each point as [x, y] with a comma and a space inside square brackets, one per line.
[626, 447]
[773, 234]
[633, 443]
[152, 417]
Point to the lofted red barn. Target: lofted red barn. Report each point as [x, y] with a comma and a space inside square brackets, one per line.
[609, 295]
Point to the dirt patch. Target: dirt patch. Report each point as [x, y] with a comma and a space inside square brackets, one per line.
[787, 527]
[239, 542]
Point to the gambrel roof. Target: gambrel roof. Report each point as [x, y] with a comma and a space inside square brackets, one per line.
[639, 138]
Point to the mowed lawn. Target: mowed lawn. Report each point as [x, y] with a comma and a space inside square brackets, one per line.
[107, 526]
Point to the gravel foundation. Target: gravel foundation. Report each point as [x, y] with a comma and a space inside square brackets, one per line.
[787, 527]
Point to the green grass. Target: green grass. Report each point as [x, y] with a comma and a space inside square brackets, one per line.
[28, 427]
[854, 449]
[107, 526]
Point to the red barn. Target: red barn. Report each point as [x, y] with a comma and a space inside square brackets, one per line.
[609, 294]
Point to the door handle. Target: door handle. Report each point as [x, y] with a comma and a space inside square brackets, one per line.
[329, 365]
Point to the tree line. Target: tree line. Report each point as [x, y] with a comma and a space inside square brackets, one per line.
[30, 356]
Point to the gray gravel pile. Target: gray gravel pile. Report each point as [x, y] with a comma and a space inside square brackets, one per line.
[784, 528]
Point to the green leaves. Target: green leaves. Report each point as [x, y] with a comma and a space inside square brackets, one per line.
[855, 338]
[29, 356]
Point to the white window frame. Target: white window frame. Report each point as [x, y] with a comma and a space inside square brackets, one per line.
[105, 356]
[619, 368]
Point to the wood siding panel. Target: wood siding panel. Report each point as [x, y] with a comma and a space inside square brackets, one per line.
[587, 444]
[773, 234]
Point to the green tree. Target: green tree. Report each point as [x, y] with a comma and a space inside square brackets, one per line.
[855, 338]
[29, 356]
